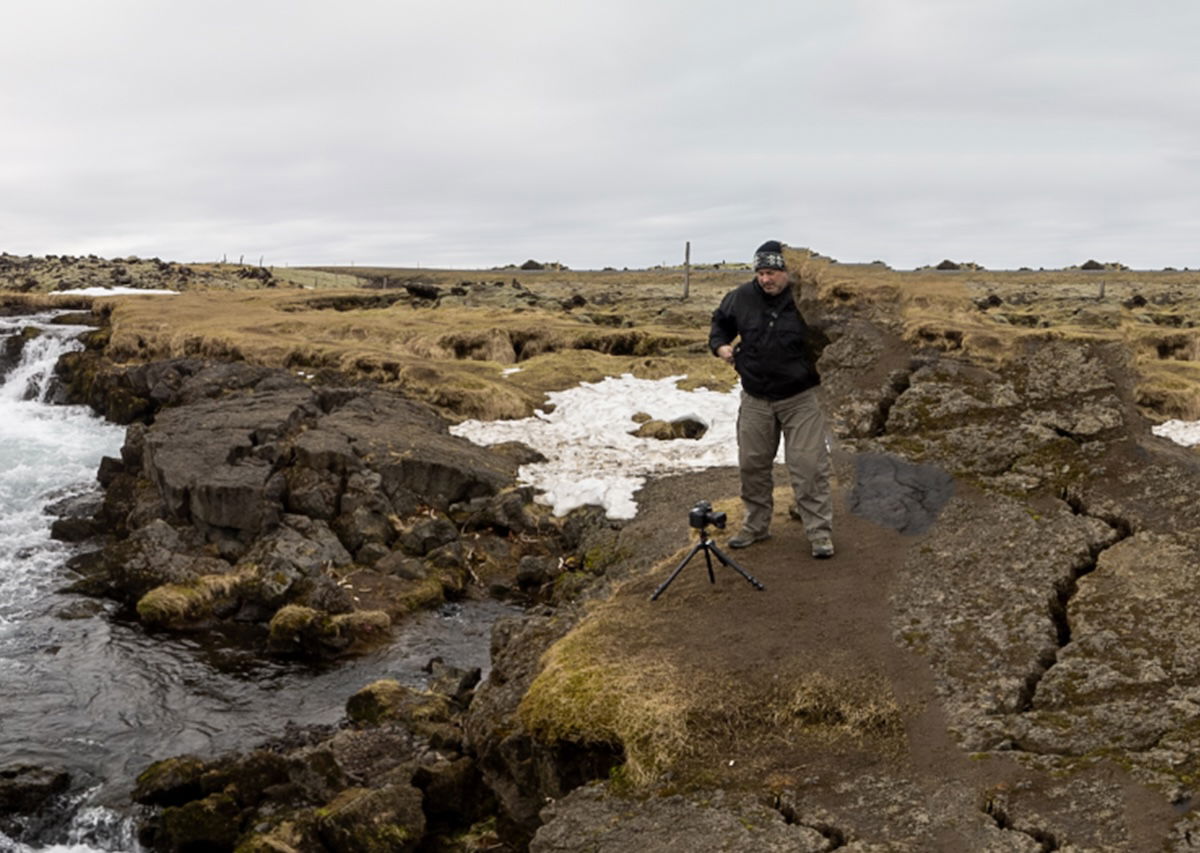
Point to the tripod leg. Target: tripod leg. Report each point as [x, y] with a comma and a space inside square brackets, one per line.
[729, 562]
[679, 569]
[708, 560]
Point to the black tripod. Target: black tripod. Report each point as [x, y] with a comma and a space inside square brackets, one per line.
[708, 547]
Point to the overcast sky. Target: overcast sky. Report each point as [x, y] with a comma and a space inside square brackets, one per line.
[468, 133]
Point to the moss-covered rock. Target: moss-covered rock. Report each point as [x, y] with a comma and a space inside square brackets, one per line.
[296, 629]
[170, 782]
[181, 605]
[211, 824]
[421, 712]
[383, 820]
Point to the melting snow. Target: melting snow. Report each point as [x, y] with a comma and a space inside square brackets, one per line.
[591, 458]
[1186, 433]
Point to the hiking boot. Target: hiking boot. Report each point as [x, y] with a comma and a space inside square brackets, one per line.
[746, 539]
[822, 547]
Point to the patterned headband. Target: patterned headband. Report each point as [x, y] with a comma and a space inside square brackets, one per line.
[769, 261]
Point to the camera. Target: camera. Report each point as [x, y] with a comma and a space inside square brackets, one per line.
[702, 515]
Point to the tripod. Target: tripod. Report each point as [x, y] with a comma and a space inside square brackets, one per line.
[708, 547]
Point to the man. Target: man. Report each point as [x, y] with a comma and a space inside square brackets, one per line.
[779, 399]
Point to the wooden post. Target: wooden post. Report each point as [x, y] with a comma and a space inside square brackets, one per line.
[687, 268]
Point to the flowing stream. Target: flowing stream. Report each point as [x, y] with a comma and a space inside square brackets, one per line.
[85, 691]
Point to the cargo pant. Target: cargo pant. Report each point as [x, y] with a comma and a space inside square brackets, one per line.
[801, 423]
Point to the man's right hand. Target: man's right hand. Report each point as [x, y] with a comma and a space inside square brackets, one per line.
[725, 353]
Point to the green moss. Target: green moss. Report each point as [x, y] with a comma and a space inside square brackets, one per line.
[423, 594]
[210, 823]
[600, 557]
[570, 585]
[172, 604]
[179, 604]
[376, 702]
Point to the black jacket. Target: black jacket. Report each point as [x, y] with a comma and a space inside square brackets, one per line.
[774, 356]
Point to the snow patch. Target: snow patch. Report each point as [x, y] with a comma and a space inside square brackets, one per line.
[591, 458]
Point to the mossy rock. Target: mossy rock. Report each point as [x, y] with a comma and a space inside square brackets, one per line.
[289, 627]
[569, 586]
[388, 699]
[426, 593]
[181, 605]
[170, 782]
[297, 831]
[359, 629]
[298, 629]
[380, 820]
[212, 823]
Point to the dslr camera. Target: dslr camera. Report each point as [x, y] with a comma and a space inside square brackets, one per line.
[702, 515]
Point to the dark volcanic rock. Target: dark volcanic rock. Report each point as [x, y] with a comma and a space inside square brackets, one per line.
[213, 462]
[25, 788]
[591, 819]
[523, 772]
[898, 494]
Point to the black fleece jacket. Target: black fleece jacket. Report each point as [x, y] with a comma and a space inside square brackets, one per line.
[774, 355]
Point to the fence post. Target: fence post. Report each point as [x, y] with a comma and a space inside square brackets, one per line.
[687, 268]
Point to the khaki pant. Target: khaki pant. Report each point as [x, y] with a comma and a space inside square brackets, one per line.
[801, 423]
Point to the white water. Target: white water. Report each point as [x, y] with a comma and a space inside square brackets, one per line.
[46, 453]
[93, 694]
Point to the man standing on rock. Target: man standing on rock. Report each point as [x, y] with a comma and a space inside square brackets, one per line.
[779, 399]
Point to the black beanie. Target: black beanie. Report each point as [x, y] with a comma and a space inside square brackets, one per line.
[769, 256]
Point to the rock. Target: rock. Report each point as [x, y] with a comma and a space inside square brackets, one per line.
[898, 494]
[709, 822]
[533, 570]
[312, 493]
[73, 529]
[1010, 607]
[423, 713]
[361, 819]
[419, 290]
[402, 566]
[153, 555]
[454, 793]
[172, 781]
[25, 788]
[306, 632]
[671, 430]
[207, 824]
[288, 562]
[425, 534]
[212, 462]
[521, 771]
[453, 682]
[13, 347]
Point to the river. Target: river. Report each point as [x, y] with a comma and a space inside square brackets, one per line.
[86, 691]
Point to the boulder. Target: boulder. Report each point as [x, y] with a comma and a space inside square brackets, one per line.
[212, 461]
[288, 562]
[25, 788]
[368, 819]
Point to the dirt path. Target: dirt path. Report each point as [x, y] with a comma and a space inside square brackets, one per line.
[828, 618]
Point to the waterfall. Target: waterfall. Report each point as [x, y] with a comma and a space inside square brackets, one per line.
[88, 691]
[47, 453]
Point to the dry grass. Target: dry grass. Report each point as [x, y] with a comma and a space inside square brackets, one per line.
[449, 357]
[452, 357]
[668, 709]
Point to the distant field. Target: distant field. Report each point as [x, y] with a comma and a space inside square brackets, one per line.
[453, 337]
